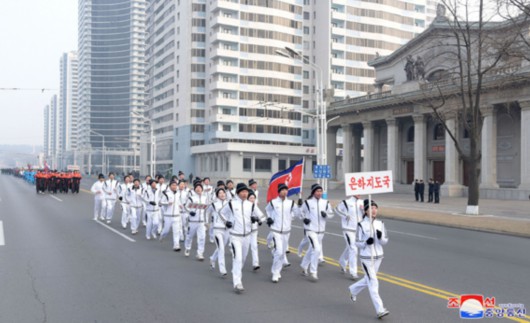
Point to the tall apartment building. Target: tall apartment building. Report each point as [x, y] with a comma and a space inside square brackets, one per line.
[222, 102]
[46, 145]
[111, 52]
[51, 130]
[67, 110]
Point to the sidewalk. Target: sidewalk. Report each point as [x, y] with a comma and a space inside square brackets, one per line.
[499, 216]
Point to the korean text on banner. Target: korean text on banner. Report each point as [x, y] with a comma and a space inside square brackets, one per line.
[368, 183]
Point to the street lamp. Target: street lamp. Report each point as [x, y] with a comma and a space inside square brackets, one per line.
[152, 140]
[320, 109]
[103, 155]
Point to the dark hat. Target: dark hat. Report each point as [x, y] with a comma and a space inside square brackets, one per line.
[206, 178]
[282, 186]
[197, 179]
[241, 187]
[173, 182]
[366, 204]
[220, 183]
[101, 176]
[160, 176]
[180, 172]
[181, 181]
[251, 182]
[152, 181]
[228, 181]
[315, 187]
[136, 180]
[219, 189]
[251, 193]
[197, 183]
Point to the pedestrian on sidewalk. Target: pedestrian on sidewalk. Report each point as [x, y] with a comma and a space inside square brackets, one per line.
[417, 189]
[436, 192]
[431, 190]
[422, 190]
[370, 238]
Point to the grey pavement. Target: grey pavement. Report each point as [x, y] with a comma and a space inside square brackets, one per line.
[58, 265]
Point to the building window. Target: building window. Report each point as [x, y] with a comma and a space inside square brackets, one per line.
[247, 164]
[439, 132]
[263, 165]
[282, 164]
[410, 134]
[226, 128]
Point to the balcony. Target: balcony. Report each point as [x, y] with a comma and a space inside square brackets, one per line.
[225, 21]
[225, 69]
[227, 102]
[217, 5]
[220, 85]
[225, 53]
[220, 36]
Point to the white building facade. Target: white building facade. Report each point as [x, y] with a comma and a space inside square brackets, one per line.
[223, 103]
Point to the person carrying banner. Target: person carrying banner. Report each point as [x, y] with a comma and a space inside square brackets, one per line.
[315, 212]
[370, 238]
[280, 212]
[351, 212]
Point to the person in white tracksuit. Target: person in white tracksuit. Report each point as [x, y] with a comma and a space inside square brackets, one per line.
[230, 190]
[221, 234]
[351, 212]
[197, 220]
[240, 214]
[183, 193]
[99, 198]
[145, 186]
[280, 212]
[136, 204]
[110, 188]
[125, 207]
[209, 191]
[162, 187]
[151, 197]
[315, 212]
[254, 236]
[172, 218]
[370, 238]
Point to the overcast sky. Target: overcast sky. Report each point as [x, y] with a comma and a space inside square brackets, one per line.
[33, 35]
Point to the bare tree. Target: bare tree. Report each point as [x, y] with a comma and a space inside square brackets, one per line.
[480, 48]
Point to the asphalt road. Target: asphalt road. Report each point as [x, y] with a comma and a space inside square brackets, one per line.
[58, 265]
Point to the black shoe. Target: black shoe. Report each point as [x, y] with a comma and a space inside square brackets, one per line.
[256, 268]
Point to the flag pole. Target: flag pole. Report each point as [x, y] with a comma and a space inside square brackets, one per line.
[371, 228]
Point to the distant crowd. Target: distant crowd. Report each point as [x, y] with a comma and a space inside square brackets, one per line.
[433, 190]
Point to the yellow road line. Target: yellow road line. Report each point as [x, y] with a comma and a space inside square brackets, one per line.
[435, 292]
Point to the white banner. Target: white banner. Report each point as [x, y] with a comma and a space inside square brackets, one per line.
[368, 183]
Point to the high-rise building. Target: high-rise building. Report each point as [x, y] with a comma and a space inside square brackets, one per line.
[111, 99]
[67, 118]
[46, 147]
[51, 128]
[222, 102]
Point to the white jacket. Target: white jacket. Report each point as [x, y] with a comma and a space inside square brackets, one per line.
[110, 188]
[200, 214]
[122, 191]
[170, 203]
[214, 210]
[363, 233]
[98, 187]
[311, 209]
[149, 196]
[282, 212]
[134, 197]
[239, 212]
[351, 212]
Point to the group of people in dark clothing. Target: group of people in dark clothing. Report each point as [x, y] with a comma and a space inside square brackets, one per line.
[433, 190]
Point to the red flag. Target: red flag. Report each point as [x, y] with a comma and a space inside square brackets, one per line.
[292, 177]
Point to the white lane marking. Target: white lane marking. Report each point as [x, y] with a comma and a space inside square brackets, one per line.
[398, 232]
[2, 240]
[55, 197]
[116, 231]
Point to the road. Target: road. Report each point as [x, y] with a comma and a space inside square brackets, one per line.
[58, 265]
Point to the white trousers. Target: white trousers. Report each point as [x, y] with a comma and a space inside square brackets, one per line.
[173, 224]
[199, 229]
[281, 242]
[211, 231]
[349, 255]
[239, 246]
[99, 205]
[222, 238]
[153, 218]
[184, 217]
[313, 253]
[305, 243]
[109, 208]
[254, 248]
[369, 280]
[134, 216]
[125, 214]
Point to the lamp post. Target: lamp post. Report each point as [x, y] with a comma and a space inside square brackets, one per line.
[103, 155]
[322, 124]
[152, 140]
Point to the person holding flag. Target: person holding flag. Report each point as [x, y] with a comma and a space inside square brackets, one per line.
[315, 212]
[370, 239]
[351, 211]
[280, 212]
